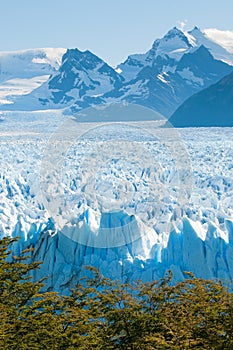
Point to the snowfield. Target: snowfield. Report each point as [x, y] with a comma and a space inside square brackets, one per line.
[129, 198]
[21, 72]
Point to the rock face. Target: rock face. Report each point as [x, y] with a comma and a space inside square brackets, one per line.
[210, 107]
[177, 66]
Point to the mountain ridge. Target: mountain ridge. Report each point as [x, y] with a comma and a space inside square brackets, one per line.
[176, 67]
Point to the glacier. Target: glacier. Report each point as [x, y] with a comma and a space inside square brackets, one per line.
[123, 201]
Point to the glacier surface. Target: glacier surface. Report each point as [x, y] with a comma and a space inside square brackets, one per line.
[118, 203]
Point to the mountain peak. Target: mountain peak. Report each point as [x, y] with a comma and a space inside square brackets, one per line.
[74, 52]
[174, 44]
[71, 53]
[195, 31]
[80, 59]
[173, 33]
[197, 28]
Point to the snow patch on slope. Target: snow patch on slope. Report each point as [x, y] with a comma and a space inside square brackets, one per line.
[222, 37]
[29, 63]
[23, 71]
[11, 88]
[216, 48]
[189, 76]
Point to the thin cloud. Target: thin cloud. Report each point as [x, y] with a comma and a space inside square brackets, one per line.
[182, 24]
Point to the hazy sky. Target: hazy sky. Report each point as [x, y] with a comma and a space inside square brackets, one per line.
[111, 29]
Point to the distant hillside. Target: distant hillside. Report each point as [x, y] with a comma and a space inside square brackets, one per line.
[212, 106]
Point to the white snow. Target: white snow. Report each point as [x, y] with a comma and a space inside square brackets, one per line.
[191, 39]
[188, 75]
[216, 48]
[221, 37]
[18, 86]
[174, 48]
[27, 63]
[118, 70]
[162, 78]
[21, 72]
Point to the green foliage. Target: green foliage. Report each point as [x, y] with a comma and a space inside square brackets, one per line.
[103, 314]
[26, 316]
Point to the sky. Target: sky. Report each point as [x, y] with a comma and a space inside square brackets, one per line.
[112, 29]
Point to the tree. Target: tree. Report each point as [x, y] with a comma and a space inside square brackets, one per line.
[192, 314]
[102, 314]
[28, 319]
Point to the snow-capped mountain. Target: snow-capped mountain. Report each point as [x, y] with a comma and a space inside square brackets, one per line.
[177, 66]
[164, 91]
[212, 106]
[23, 71]
[171, 48]
[80, 75]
